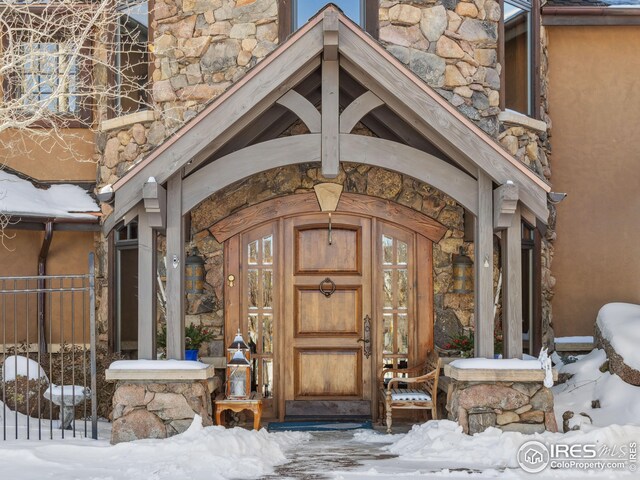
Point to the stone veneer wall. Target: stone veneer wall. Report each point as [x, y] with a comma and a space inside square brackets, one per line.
[148, 409]
[525, 407]
[451, 45]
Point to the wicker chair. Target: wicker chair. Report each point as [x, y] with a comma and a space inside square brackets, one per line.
[421, 393]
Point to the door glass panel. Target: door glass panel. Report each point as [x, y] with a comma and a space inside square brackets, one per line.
[259, 285]
[402, 253]
[402, 294]
[253, 288]
[403, 333]
[267, 288]
[253, 253]
[267, 255]
[388, 332]
[387, 250]
[387, 276]
[395, 302]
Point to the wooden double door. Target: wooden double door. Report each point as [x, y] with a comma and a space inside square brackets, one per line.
[325, 308]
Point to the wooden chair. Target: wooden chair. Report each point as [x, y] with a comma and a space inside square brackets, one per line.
[421, 393]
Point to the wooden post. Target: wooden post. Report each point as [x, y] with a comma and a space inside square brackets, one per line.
[147, 272]
[330, 148]
[484, 269]
[175, 269]
[512, 288]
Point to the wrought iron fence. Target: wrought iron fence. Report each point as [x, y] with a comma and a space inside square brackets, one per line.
[48, 353]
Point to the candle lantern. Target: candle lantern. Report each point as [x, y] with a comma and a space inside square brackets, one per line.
[238, 344]
[194, 274]
[238, 377]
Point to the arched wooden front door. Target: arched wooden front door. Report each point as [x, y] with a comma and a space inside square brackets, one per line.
[323, 318]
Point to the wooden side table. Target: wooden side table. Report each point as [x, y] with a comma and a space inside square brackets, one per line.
[253, 404]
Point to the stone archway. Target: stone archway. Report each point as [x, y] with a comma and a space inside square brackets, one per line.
[451, 310]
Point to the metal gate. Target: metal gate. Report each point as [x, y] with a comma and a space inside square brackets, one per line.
[48, 354]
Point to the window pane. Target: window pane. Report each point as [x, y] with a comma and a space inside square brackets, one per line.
[267, 254]
[253, 253]
[305, 9]
[387, 250]
[387, 278]
[516, 58]
[253, 288]
[387, 329]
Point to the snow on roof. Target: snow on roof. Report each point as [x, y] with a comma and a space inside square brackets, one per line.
[20, 198]
[619, 323]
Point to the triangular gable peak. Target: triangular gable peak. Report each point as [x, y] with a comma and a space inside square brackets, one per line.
[331, 62]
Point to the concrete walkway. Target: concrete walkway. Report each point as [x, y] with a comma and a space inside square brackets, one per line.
[326, 453]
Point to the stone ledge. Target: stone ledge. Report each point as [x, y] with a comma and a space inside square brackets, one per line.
[516, 118]
[127, 120]
[160, 374]
[491, 375]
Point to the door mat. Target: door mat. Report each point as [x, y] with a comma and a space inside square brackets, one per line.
[316, 426]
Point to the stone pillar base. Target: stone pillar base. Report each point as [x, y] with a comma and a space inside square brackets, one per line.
[524, 406]
[159, 408]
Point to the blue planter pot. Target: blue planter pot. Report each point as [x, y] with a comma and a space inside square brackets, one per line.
[191, 355]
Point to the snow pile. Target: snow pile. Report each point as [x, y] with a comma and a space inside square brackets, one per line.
[209, 453]
[619, 324]
[20, 197]
[157, 365]
[442, 442]
[14, 366]
[619, 401]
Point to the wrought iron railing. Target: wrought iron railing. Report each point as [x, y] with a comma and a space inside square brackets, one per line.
[48, 355]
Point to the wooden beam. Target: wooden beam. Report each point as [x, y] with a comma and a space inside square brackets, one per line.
[413, 100]
[415, 163]
[303, 108]
[147, 272]
[225, 117]
[175, 269]
[505, 202]
[252, 216]
[483, 245]
[155, 203]
[306, 148]
[297, 204]
[246, 162]
[330, 39]
[357, 109]
[330, 118]
[512, 288]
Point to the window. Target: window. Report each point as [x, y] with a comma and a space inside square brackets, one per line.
[518, 73]
[49, 79]
[132, 59]
[296, 13]
[303, 10]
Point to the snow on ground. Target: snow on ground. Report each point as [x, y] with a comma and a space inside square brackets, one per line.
[15, 366]
[619, 323]
[619, 401]
[210, 453]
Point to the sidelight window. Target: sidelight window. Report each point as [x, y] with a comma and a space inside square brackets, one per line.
[395, 302]
[260, 302]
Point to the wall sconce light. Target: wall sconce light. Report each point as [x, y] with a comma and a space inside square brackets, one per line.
[328, 195]
[194, 274]
[462, 273]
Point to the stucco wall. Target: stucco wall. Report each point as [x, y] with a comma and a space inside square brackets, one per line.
[68, 254]
[594, 95]
[46, 158]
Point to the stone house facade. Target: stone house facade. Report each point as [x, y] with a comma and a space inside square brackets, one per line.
[201, 48]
